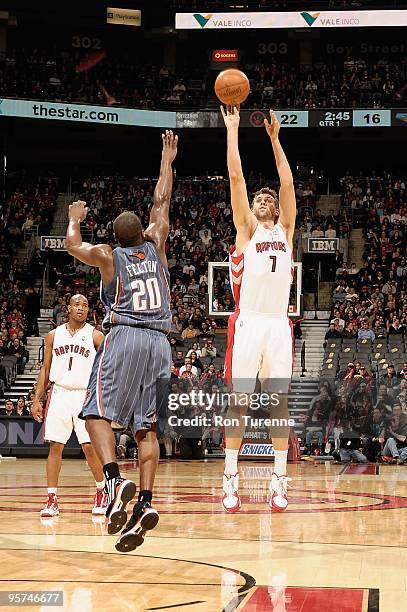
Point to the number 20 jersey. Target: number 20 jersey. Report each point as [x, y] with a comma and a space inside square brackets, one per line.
[139, 294]
[262, 276]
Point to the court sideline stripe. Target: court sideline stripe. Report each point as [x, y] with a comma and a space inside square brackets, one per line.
[189, 603]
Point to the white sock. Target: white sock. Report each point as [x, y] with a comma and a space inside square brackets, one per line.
[280, 462]
[52, 490]
[231, 461]
[100, 485]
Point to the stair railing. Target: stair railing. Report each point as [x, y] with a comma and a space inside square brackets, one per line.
[303, 368]
[44, 281]
[316, 294]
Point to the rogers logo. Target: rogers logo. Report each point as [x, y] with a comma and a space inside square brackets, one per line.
[225, 55]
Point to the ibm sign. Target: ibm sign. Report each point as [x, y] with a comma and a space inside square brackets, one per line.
[323, 245]
[56, 243]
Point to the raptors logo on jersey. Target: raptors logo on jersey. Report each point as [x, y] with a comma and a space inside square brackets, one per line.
[261, 277]
[72, 357]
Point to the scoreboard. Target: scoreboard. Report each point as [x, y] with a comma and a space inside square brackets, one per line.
[332, 118]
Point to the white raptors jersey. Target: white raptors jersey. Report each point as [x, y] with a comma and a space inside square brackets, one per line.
[262, 275]
[72, 357]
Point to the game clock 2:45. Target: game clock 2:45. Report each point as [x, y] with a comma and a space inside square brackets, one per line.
[330, 118]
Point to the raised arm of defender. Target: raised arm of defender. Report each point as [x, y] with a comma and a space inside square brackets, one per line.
[159, 217]
[99, 255]
[243, 218]
[287, 205]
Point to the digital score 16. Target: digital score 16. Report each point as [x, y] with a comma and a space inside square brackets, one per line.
[372, 118]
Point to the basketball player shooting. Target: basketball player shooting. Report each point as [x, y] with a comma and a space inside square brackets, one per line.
[135, 355]
[69, 353]
[259, 332]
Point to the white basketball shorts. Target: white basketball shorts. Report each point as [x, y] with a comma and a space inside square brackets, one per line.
[258, 346]
[61, 415]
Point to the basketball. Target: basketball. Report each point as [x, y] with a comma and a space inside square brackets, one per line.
[232, 87]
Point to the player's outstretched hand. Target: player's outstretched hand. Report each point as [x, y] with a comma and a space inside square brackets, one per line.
[77, 211]
[231, 117]
[272, 126]
[170, 142]
[36, 410]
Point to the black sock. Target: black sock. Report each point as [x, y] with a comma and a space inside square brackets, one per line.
[111, 470]
[145, 497]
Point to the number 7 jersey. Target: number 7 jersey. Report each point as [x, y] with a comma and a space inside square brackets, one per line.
[261, 276]
[139, 294]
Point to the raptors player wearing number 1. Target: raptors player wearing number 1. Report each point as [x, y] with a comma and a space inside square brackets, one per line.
[136, 355]
[69, 353]
[260, 341]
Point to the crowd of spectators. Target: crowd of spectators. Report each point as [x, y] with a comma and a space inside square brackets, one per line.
[360, 416]
[348, 83]
[27, 204]
[371, 301]
[117, 80]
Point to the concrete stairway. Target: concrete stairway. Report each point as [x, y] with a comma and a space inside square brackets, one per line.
[301, 393]
[313, 333]
[61, 214]
[327, 203]
[24, 382]
[325, 295]
[356, 247]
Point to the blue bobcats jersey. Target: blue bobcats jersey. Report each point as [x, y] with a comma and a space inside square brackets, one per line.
[139, 294]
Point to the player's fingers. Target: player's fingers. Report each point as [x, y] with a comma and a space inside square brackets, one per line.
[222, 110]
[175, 140]
[267, 123]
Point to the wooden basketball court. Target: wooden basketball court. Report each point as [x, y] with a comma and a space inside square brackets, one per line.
[342, 545]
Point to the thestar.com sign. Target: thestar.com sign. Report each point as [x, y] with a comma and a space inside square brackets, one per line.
[225, 55]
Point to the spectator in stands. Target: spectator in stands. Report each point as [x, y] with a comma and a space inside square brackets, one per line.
[325, 401]
[397, 435]
[350, 444]
[179, 359]
[315, 424]
[330, 232]
[209, 375]
[372, 429]
[395, 327]
[9, 408]
[21, 407]
[20, 352]
[365, 333]
[195, 361]
[125, 442]
[403, 371]
[32, 311]
[351, 330]
[333, 331]
[390, 380]
[209, 350]
[378, 329]
[192, 369]
[195, 348]
[62, 315]
[188, 374]
[190, 332]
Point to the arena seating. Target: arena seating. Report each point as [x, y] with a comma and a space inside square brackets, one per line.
[345, 82]
[28, 208]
